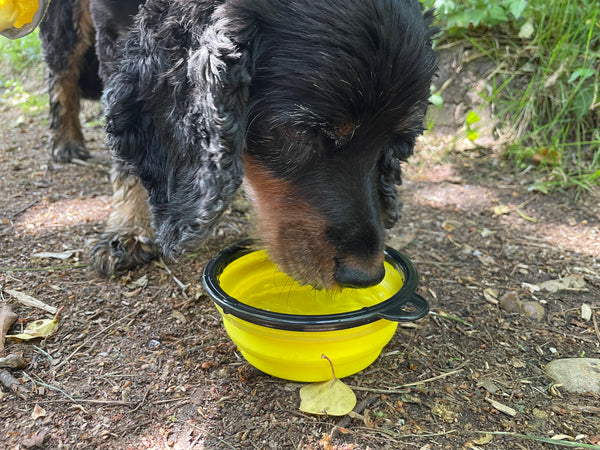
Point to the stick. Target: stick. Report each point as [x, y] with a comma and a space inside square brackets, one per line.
[49, 386]
[542, 439]
[64, 361]
[399, 390]
[28, 300]
[357, 410]
[41, 269]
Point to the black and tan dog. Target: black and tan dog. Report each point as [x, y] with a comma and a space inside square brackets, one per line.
[312, 103]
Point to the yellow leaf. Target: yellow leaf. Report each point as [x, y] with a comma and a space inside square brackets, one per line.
[39, 329]
[331, 397]
[500, 210]
[483, 440]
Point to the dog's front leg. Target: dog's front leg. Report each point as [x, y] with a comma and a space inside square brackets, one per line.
[128, 240]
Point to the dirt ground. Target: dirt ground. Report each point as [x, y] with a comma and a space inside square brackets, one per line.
[150, 366]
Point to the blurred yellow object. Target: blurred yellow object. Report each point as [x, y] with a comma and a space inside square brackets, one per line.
[20, 17]
[283, 328]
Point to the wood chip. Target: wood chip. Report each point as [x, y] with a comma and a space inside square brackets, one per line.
[28, 300]
[12, 361]
[502, 408]
[586, 312]
[7, 318]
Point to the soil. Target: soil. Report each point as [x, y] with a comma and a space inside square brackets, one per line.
[150, 365]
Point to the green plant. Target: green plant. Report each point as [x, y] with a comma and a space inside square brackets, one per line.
[474, 13]
[15, 95]
[558, 111]
[546, 85]
[19, 54]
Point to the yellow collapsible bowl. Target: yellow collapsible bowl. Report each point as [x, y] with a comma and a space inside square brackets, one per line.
[283, 328]
[18, 18]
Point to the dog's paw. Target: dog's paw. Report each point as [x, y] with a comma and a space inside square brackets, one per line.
[120, 250]
[67, 152]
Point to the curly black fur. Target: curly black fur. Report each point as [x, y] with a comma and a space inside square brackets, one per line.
[322, 99]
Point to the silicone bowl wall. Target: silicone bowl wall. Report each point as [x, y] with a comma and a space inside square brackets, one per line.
[290, 346]
[296, 355]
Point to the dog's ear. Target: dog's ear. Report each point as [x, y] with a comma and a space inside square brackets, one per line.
[390, 176]
[176, 116]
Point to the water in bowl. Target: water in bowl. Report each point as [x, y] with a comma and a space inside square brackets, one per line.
[254, 280]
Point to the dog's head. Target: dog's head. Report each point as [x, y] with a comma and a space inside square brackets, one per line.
[338, 97]
[320, 100]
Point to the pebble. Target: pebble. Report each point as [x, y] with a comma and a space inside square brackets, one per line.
[510, 302]
[533, 310]
[576, 374]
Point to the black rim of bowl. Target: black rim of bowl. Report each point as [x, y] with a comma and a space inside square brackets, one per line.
[404, 306]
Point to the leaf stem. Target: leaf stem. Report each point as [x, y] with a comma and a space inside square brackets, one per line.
[323, 356]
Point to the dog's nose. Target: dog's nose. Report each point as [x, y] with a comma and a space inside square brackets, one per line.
[354, 277]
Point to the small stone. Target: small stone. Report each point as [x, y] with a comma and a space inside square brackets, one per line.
[533, 310]
[576, 374]
[586, 312]
[510, 302]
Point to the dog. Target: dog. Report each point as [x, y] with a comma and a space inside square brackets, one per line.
[311, 105]
[68, 40]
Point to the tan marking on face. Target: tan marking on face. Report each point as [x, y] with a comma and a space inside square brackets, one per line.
[293, 232]
[344, 132]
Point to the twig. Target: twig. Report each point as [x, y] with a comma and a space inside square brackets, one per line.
[64, 361]
[162, 264]
[399, 390]
[49, 386]
[451, 317]
[28, 300]
[25, 208]
[404, 436]
[357, 410]
[142, 401]
[596, 327]
[541, 439]
[42, 269]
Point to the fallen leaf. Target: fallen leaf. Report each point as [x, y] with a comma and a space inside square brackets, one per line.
[331, 397]
[56, 255]
[527, 30]
[7, 318]
[28, 300]
[491, 296]
[562, 437]
[501, 210]
[140, 282]
[568, 282]
[533, 310]
[501, 407]
[39, 329]
[12, 361]
[510, 302]
[37, 412]
[485, 439]
[35, 441]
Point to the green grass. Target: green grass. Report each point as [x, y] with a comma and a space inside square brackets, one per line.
[21, 74]
[19, 54]
[546, 89]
